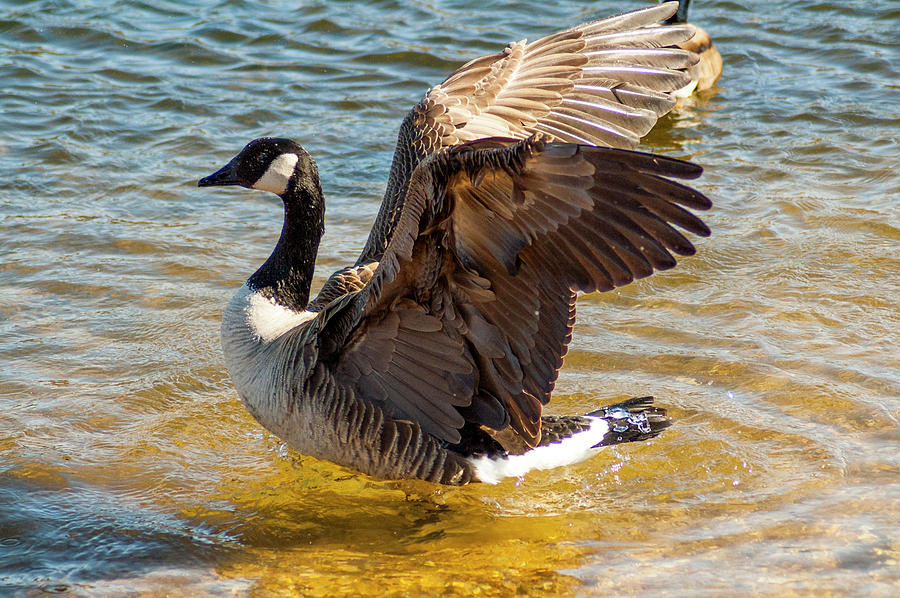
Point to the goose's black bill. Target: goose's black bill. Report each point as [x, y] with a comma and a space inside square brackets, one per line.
[224, 176]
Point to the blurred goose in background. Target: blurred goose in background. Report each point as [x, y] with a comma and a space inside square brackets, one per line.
[433, 355]
[708, 69]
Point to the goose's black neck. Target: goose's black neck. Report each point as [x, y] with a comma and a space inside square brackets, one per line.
[287, 275]
[681, 15]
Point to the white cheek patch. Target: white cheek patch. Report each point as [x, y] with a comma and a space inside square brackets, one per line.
[277, 175]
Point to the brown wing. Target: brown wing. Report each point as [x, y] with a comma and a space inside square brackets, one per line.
[603, 83]
[470, 311]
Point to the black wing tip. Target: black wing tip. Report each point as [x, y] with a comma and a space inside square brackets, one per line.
[696, 200]
[704, 232]
[657, 164]
[698, 228]
[665, 169]
[702, 203]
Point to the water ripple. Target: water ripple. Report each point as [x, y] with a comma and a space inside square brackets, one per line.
[133, 466]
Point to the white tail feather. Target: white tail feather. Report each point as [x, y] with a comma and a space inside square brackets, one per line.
[571, 450]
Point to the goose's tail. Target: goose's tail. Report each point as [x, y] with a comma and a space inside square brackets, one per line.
[566, 440]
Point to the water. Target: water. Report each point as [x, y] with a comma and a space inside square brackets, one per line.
[128, 467]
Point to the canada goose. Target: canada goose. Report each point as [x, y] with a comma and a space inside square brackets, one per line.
[709, 68]
[432, 357]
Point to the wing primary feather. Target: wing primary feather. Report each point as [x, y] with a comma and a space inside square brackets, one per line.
[649, 37]
[667, 58]
[631, 19]
[566, 134]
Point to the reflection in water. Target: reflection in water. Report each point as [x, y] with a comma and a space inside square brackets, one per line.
[128, 465]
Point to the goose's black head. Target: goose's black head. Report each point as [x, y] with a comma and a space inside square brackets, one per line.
[286, 169]
[268, 164]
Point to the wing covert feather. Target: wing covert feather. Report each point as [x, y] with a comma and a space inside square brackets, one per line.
[412, 365]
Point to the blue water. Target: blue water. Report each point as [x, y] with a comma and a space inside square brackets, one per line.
[128, 466]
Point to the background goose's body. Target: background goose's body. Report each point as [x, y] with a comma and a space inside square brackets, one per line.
[432, 356]
[708, 69]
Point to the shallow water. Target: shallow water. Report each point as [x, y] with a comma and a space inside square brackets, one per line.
[128, 466]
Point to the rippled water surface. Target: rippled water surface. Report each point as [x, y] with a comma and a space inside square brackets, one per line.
[128, 466]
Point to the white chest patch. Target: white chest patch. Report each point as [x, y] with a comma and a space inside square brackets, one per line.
[277, 175]
[574, 449]
[268, 320]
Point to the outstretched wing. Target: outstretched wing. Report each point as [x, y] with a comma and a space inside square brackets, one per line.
[602, 83]
[469, 312]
